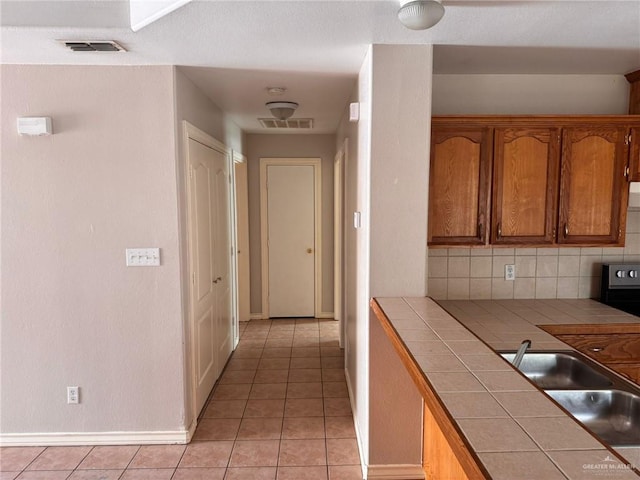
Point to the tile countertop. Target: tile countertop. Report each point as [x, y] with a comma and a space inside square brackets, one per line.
[514, 429]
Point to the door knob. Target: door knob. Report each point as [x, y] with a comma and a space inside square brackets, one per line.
[309, 250]
[217, 280]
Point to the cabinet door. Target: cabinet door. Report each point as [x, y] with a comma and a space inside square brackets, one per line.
[459, 186]
[593, 188]
[525, 185]
[634, 155]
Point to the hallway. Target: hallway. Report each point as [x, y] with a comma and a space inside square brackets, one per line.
[280, 411]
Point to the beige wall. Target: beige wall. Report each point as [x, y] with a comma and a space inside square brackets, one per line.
[196, 108]
[400, 126]
[544, 272]
[72, 312]
[530, 94]
[290, 146]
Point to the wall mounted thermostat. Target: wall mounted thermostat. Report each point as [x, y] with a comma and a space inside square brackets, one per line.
[35, 126]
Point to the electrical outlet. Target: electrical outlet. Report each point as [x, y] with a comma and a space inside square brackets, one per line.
[509, 272]
[73, 395]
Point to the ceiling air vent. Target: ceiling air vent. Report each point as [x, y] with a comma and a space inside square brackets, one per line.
[93, 45]
[300, 123]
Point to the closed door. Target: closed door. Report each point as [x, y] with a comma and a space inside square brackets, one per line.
[291, 240]
[210, 265]
[222, 257]
[242, 217]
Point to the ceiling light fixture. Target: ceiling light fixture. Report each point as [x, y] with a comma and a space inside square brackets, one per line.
[282, 110]
[276, 91]
[420, 14]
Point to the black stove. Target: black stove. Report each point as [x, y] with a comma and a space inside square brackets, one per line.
[620, 286]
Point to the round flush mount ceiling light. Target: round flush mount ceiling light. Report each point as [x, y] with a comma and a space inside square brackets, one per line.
[420, 14]
[282, 110]
[276, 91]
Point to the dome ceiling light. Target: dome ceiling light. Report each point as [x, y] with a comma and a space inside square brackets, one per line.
[420, 14]
[282, 110]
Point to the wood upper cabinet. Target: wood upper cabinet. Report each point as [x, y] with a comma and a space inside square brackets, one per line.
[525, 185]
[634, 155]
[459, 186]
[593, 187]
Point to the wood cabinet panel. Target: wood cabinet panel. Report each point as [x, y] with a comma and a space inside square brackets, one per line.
[634, 154]
[459, 186]
[438, 459]
[591, 185]
[612, 348]
[629, 370]
[525, 179]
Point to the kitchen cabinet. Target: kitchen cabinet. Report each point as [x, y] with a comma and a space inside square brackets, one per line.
[530, 180]
[459, 187]
[634, 155]
[525, 179]
[616, 346]
[593, 189]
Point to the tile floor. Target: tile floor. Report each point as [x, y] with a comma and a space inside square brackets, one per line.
[280, 411]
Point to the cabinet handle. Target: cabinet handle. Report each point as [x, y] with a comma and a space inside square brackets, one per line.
[626, 172]
[566, 230]
[480, 230]
[499, 231]
[596, 349]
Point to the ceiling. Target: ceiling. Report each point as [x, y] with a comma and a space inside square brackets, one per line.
[233, 50]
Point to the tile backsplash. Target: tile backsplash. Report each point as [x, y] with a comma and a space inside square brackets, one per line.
[478, 273]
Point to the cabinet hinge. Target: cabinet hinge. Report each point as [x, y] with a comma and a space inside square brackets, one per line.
[193, 278]
[190, 171]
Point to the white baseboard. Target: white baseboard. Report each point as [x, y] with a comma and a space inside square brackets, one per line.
[395, 472]
[96, 438]
[255, 316]
[325, 315]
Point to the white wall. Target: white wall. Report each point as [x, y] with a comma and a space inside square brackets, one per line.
[72, 312]
[196, 108]
[290, 146]
[544, 272]
[530, 94]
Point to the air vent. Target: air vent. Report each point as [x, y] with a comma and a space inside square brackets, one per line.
[301, 123]
[93, 45]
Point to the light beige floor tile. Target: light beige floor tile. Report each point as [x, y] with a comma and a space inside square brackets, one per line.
[60, 458]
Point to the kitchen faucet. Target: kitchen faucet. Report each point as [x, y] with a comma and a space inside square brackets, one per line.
[520, 353]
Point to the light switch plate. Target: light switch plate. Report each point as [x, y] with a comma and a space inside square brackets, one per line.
[143, 257]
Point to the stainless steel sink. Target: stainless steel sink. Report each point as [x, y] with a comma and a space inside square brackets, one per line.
[561, 370]
[612, 415]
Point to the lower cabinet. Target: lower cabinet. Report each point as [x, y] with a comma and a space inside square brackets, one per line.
[438, 459]
[618, 351]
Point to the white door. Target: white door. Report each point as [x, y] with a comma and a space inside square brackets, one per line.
[291, 240]
[210, 265]
[242, 228]
[222, 258]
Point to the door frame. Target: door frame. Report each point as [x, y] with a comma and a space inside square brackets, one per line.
[316, 163]
[191, 132]
[237, 157]
[338, 240]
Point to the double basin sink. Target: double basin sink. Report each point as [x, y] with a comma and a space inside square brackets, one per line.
[602, 401]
